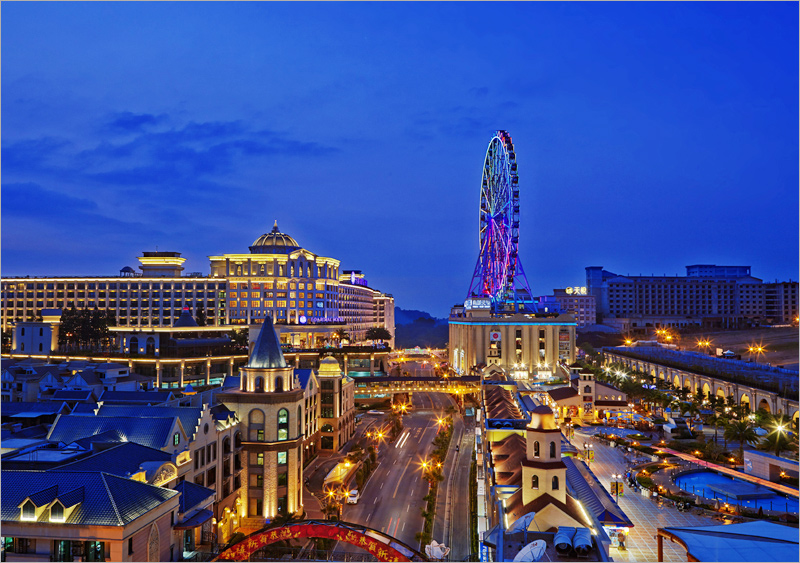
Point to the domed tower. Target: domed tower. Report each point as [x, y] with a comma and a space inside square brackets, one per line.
[274, 242]
[543, 472]
[270, 406]
[337, 405]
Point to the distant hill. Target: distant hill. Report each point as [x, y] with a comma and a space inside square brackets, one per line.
[418, 328]
[408, 316]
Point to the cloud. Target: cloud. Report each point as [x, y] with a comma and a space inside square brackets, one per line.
[150, 156]
[128, 121]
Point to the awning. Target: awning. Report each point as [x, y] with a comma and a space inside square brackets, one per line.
[196, 520]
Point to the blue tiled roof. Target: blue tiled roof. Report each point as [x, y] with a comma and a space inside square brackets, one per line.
[84, 408]
[192, 496]
[267, 350]
[136, 397]
[109, 436]
[150, 432]
[31, 407]
[189, 416]
[118, 460]
[231, 382]
[108, 500]
[67, 395]
[304, 375]
[589, 491]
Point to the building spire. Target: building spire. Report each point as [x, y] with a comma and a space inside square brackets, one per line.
[275, 227]
[267, 352]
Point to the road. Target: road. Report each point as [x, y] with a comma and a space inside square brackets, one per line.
[391, 501]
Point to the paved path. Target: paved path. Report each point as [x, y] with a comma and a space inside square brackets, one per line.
[645, 514]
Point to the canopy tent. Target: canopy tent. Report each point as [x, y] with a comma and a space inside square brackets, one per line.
[750, 541]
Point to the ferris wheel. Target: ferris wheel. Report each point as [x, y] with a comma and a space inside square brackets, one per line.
[498, 268]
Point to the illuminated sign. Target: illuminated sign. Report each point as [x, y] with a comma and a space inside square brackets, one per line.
[494, 336]
[576, 291]
[303, 319]
[478, 304]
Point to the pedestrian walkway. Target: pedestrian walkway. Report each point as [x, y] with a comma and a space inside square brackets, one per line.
[646, 514]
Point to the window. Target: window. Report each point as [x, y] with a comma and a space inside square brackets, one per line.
[282, 458]
[28, 511]
[260, 459]
[176, 439]
[282, 479]
[279, 384]
[259, 481]
[130, 546]
[260, 436]
[535, 482]
[283, 424]
[552, 450]
[555, 483]
[536, 449]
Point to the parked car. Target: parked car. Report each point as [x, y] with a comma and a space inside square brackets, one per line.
[353, 497]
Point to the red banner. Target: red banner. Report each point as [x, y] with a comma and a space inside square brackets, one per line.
[242, 550]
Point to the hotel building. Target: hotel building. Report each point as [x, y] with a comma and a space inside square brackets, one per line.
[708, 296]
[277, 278]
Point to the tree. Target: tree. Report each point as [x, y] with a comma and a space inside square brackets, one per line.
[341, 334]
[741, 431]
[200, 317]
[240, 338]
[378, 333]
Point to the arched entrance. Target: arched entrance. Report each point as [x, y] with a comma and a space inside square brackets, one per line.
[721, 393]
[763, 404]
[381, 546]
[745, 401]
[676, 382]
[706, 391]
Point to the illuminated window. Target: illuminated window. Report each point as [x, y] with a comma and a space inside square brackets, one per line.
[281, 458]
[291, 304]
[233, 295]
[268, 303]
[255, 294]
[260, 459]
[233, 286]
[292, 285]
[302, 295]
[231, 303]
[28, 511]
[282, 304]
[292, 294]
[283, 424]
[242, 303]
[176, 439]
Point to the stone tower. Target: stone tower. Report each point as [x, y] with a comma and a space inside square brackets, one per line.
[543, 472]
[269, 404]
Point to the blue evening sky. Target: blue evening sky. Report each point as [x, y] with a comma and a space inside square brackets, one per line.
[649, 136]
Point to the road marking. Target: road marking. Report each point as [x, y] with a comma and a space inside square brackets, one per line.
[401, 478]
[404, 527]
[374, 501]
[368, 515]
[395, 527]
[381, 484]
[407, 507]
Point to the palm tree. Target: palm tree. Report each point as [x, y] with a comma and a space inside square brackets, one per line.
[718, 406]
[741, 431]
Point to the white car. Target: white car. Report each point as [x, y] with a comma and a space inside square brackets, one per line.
[352, 498]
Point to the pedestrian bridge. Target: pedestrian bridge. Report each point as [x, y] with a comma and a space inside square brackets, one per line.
[384, 385]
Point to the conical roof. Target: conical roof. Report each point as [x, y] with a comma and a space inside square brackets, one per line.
[186, 319]
[267, 353]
